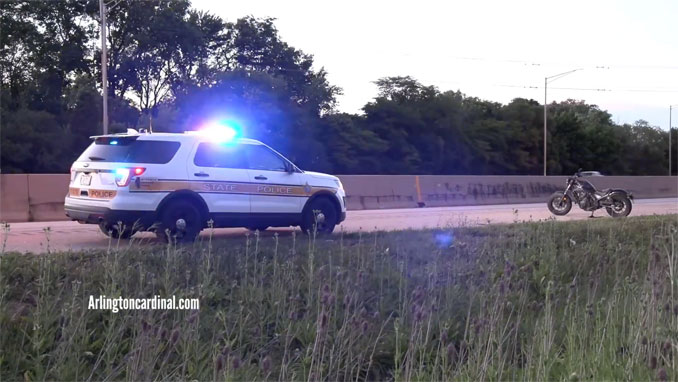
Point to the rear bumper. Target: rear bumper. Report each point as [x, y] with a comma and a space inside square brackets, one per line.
[96, 215]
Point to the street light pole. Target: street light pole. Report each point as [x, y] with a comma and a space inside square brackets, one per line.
[104, 74]
[546, 82]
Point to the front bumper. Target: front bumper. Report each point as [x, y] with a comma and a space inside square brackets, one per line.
[342, 217]
[96, 215]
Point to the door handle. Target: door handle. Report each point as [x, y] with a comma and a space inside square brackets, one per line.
[201, 174]
[260, 177]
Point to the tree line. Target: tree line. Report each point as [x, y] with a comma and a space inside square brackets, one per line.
[173, 68]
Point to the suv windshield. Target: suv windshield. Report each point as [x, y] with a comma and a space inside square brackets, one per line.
[129, 150]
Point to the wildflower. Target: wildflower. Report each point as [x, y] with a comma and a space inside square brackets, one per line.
[266, 364]
[420, 314]
[667, 347]
[662, 375]
[327, 299]
[347, 299]
[322, 321]
[226, 351]
[220, 362]
[443, 337]
[451, 353]
[175, 336]
[364, 327]
[236, 363]
[653, 362]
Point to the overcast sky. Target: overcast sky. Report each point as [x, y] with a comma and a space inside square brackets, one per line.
[494, 50]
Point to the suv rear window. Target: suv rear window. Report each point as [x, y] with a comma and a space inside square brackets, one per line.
[130, 150]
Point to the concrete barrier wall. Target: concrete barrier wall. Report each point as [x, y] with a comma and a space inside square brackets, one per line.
[14, 198]
[46, 193]
[38, 197]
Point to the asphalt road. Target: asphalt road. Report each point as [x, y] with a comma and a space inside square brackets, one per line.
[63, 235]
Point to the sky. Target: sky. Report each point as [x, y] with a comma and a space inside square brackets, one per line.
[626, 51]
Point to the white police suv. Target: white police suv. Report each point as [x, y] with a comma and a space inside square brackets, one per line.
[177, 183]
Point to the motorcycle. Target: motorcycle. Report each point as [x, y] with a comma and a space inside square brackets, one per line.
[617, 202]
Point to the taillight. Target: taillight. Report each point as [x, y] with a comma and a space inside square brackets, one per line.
[124, 175]
[72, 174]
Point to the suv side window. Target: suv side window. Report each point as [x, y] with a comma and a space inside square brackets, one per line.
[220, 155]
[262, 158]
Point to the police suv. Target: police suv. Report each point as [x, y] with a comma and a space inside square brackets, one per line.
[174, 184]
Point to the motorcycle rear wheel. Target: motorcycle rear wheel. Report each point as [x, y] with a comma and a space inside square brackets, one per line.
[621, 206]
[559, 204]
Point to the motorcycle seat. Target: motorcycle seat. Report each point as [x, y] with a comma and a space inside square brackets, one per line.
[602, 192]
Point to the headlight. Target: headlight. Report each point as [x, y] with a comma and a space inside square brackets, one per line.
[339, 185]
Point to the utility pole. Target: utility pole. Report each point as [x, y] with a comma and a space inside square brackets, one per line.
[546, 83]
[670, 109]
[104, 65]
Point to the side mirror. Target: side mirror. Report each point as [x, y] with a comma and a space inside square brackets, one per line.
[289, 168]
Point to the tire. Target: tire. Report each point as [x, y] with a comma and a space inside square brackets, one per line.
[260, 228]
[112, 230]
[559, 204]
[621, 206]
[171, 218]
[320, 216]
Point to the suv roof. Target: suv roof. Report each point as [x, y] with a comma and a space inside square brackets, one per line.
[187, 135]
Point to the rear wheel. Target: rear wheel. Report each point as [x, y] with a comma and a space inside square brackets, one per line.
[180, 220]
[559, 204]
[116, 231]
[320, 217]
[621, 206]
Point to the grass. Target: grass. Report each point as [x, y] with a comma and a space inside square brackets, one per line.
[586, 300]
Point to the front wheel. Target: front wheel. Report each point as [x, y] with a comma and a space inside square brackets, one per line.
[559, 204]
[621, 206]
[319, 217]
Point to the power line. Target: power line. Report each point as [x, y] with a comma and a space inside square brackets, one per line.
[543, 63]
[614, 90]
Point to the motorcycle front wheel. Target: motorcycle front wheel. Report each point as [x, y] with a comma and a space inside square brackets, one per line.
[621, 206]
[559, 204]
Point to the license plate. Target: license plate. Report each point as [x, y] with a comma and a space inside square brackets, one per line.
[85, 180]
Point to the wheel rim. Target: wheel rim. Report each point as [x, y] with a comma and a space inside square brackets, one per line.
[320, 221]
[619, 206]
[181, 222]
[559, 204]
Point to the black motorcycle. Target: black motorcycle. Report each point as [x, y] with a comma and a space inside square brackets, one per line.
[616, 202]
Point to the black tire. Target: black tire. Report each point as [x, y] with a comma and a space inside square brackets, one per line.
[260, 228]
[320, 217]
[621, 206]
[113, 231]
[170, 220]
[559, 204]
